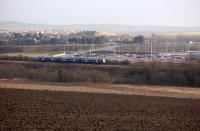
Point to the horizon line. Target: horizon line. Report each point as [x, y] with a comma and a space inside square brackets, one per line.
[13, 21]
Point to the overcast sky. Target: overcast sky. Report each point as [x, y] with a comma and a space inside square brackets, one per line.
[128, 12]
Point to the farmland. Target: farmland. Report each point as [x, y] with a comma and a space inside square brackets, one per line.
[39, 110]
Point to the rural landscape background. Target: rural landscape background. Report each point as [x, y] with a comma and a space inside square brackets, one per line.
[99, 65]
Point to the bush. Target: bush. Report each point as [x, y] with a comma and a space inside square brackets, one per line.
[138, 73]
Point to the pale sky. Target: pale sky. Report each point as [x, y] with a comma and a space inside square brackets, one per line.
[128, 12]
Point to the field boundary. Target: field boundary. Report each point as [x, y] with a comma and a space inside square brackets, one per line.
[142, 90]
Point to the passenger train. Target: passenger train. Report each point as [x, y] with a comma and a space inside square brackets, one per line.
[86, 60]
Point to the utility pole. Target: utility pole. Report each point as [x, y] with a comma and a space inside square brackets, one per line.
[199, 50]
[119, 51]
[151, 46]
[115, 49]
[90, 50]
[46, 47]
[93, 45]
[190, 43]
[64, 48]
[198, 43]
[68, 45]
[81, 45]
[73, 48]
[154, 50]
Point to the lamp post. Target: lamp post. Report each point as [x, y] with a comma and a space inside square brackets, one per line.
[81, 46]
[151, 46]
[190, 43]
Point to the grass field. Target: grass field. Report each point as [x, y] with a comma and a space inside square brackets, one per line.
[145, 90]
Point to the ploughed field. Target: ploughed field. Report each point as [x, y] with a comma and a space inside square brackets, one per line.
[39, 110]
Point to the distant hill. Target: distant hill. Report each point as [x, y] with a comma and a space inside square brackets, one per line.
[125, 29]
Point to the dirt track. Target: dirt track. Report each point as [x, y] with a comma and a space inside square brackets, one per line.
[162, 91]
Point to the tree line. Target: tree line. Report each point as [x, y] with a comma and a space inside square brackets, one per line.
[153, 73]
